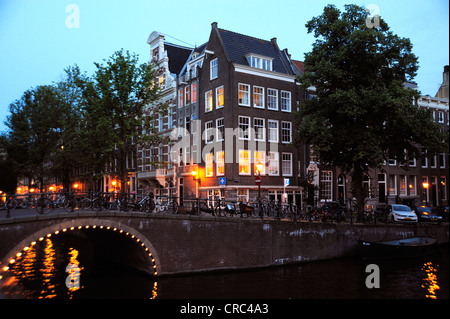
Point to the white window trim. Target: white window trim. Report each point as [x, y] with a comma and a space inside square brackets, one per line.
[278, 164]
[263, 161]
[290, 134]
[217, 97]
[249, 161]
[249, 128]
[263, 129]
[291, 169]
[206, 132]
[277, 130]
[221, 163]
[218, 137]
[249, 94]
[290, 101]
[206, 101]
[211, 69]
[277, 103]
[263, 97]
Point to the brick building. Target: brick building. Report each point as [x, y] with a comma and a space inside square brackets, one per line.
[235, 98]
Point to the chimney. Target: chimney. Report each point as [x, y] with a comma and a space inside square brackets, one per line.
[274, 41]
[445, 74]
[214, 25]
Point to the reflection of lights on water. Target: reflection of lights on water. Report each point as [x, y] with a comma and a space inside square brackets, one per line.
[14, 271]
[430, 281]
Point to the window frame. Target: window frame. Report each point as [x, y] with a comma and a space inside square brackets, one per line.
[260, 97]
[214, 69]
[209, 101]
[285, 129]
[240, 97]
[218, 97]
[289, 110]
[241, 134]
[270, 97]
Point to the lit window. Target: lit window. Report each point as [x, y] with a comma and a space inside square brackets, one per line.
[220, 162]
[244, 162]
[258, 97]
[180, 98]
[242, 195]
[214, 66]
[208, 101]
[219, 97]
[194, 92]
[260, 157]
[187, 95]
[209, 165]
[244, 94]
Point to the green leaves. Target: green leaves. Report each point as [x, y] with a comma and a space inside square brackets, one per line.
[84, 122]
[363, 114]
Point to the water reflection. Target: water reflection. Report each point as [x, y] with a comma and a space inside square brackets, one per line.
[430, 281]
[66, 267]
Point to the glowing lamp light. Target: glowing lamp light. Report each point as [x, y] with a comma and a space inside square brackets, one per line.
[194, 174]
[425, 185]
[259, 167]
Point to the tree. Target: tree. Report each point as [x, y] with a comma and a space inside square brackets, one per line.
[34, 132]
[119, 96]
[363, 113]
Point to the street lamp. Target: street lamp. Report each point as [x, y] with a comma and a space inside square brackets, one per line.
[259, 168]
[425, 186]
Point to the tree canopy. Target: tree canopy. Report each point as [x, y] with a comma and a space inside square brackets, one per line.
[88, 122]
[363, 113]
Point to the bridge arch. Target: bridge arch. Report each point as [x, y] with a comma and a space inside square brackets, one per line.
[154, 264]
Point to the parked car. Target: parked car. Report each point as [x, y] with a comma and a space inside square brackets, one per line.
[401, 213]
[442, 211]
[424, 214]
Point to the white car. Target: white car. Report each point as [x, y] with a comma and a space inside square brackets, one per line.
[401, 213]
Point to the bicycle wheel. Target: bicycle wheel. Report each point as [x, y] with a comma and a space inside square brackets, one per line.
[174, 207]
[44, 206]
[97, 204]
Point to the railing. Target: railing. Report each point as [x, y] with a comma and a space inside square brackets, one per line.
[45, 203]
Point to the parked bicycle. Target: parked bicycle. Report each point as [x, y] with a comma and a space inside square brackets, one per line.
[170, 205]
[44, 205]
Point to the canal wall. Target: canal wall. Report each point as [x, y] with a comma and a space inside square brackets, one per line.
[176, 244]
[240, 244]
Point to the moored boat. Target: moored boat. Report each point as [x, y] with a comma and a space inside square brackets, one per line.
[399, 248]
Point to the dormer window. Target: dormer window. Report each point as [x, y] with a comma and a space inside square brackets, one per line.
[260, 62]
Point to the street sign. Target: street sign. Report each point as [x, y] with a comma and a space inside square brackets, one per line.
[258, 180]
[223, 181]
[286, 182]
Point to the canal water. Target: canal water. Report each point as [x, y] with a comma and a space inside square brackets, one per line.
[65, 267]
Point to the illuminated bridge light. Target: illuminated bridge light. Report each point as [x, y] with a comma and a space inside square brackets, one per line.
[26, 248]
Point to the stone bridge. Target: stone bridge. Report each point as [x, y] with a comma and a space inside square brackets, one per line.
[172, 244]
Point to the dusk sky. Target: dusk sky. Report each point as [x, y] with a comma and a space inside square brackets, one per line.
[40, 38]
